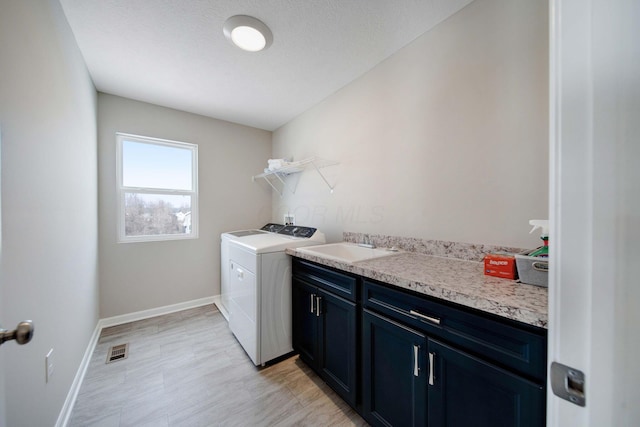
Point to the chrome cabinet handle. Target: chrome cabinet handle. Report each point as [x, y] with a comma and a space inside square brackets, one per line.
[318, 307]
[313, 299]
[416, 369]
[434, 320]
[431, 367]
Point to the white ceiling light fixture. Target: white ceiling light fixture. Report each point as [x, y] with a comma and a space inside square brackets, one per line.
[247, 33]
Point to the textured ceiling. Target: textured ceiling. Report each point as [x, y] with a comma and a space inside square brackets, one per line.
[173, 52]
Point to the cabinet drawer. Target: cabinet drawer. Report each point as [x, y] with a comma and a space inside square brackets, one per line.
[521, 348]
[340, 284]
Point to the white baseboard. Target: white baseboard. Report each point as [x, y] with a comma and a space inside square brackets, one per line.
[153, 312]
[67, 408]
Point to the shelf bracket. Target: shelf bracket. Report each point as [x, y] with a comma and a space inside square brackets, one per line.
[322, 176]
[273, 186]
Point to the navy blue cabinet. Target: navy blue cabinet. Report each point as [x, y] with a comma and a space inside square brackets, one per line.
[517, 347]
[337, 345]
[394, 373]
[469, 391]
[304, 321]
[325, 328]
[406, 359]
[447, 366]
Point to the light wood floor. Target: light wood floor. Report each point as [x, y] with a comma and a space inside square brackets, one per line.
[187, 369]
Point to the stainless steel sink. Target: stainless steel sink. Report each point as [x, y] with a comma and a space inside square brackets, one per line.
[346, 252]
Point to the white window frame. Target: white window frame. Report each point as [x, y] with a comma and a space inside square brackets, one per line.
[122, 190]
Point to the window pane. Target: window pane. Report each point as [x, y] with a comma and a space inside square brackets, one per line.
[156, 166]
[156, 214]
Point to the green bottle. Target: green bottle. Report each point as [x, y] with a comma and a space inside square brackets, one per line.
[542, 224]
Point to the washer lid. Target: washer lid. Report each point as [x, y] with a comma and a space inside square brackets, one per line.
[270, 242]
[243, 233]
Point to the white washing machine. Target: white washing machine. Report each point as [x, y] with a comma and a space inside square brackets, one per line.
[225, 238]
[259, 288]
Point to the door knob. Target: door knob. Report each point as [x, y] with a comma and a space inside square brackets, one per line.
[22, 333]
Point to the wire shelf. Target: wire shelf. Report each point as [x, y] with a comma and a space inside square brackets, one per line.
[275, 178]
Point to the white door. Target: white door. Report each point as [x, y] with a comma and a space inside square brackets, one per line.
[25, 331]
[594, 298]
[3, 421]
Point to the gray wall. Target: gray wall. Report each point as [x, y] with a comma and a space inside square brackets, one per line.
[447, 139]
[141, 276]
[49, 209]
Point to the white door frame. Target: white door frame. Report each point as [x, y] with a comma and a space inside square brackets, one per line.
[3, 400]
[594, 325]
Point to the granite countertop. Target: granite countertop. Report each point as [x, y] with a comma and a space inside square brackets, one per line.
[459, 281]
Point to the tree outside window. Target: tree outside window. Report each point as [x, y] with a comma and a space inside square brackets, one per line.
[157, 189]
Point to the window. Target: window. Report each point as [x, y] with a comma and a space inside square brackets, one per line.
[157, 189]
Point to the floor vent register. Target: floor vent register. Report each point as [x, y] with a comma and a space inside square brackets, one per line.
[118, 352]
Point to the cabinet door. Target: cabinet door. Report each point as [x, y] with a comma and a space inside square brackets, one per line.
[394, 373]
[304, 321]
[467, 391]
[337, 345]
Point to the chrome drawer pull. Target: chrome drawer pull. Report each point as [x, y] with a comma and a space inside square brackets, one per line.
[416, 370]
[313, 299]
[424, 317]
[431, 356]
[318, 306]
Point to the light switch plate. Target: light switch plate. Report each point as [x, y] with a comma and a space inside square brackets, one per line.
[48, 365]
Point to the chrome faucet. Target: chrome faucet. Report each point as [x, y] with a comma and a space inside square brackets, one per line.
[366, 242]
